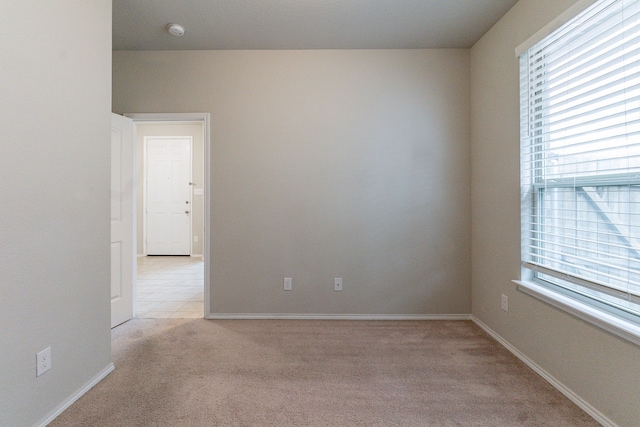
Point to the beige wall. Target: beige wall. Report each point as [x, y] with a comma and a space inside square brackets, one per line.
[55, 86]
[602, 369]
[324, 164]
[194, 130]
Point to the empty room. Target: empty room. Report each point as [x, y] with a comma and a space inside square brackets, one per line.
[402, 212]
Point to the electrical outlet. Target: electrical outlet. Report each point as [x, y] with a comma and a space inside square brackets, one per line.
[337, 284]
[195, 239]
[43, 361]
[505, 303]
[288, 283]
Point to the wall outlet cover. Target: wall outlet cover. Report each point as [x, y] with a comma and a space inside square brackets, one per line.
[505, 303]
[43, 361]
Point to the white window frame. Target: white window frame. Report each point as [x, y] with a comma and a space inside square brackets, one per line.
[619, 322]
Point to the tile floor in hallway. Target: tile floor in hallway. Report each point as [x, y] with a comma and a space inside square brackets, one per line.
[170, 287]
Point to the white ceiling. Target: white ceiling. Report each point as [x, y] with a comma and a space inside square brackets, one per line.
[304, 24]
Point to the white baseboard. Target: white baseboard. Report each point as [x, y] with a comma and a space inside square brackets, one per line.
[275, 316]
[583, 404]
[75, 396]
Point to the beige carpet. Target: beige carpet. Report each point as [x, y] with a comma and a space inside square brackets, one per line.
[195, 372]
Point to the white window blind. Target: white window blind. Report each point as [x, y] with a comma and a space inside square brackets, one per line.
[580, 156]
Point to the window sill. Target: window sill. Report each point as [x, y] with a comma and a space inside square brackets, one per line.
[618, 326]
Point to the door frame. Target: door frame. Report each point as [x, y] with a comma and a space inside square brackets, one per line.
[145, 192]
[204, 118]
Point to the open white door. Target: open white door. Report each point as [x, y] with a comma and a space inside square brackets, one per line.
[122, 219]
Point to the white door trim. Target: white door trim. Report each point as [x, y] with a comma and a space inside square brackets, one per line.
[204, 118]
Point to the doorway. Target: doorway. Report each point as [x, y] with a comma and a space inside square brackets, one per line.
[172, 268]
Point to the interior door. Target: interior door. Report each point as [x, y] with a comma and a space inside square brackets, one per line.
[122, 219]
[168, 185]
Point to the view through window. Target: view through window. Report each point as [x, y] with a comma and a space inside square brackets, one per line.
[580, 135]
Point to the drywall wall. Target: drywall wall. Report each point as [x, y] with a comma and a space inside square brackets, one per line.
[602, 369]
[194, 130]
[324, 164]
[55, 64]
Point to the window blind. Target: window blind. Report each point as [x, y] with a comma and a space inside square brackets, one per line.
[580, 155]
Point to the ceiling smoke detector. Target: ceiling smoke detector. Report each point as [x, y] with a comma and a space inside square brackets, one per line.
[175, 29]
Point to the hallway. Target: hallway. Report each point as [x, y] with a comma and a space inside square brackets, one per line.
[170, 287]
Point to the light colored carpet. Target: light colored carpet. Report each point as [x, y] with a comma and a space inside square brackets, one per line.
[196, 372]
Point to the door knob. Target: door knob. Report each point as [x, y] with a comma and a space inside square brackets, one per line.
[187, 212]
[187, 202]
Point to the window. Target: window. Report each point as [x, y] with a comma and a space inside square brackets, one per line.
[580, 159]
